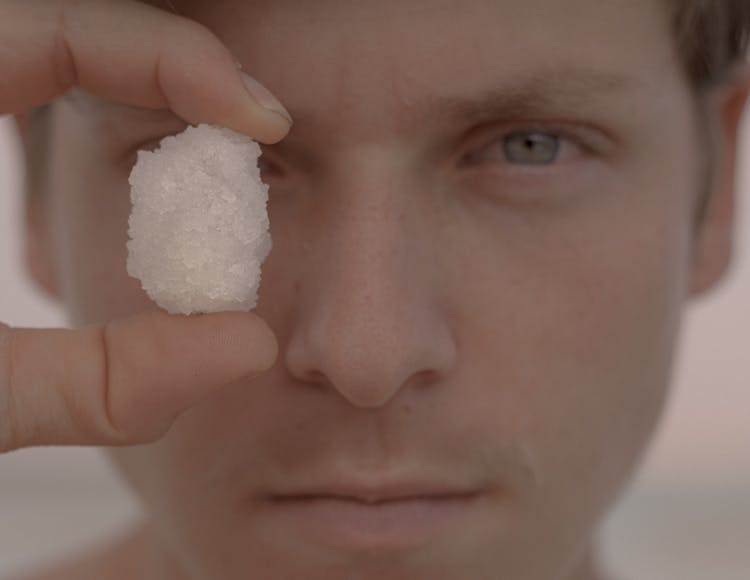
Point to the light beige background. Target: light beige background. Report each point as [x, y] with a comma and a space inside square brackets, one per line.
[687, 516]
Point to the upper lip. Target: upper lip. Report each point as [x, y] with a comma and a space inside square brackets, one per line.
[376, 492]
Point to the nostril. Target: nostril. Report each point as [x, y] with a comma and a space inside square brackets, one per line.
[366, 367]
[313, 378]
[368, 321]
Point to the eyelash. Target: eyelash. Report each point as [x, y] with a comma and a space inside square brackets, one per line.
[565, 137]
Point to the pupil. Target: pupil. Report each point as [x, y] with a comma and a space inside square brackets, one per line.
[533, 148]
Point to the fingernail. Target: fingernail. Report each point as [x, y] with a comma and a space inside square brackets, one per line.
[264, 97]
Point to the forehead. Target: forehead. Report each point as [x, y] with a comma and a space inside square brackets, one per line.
[523, 27]
[361, 70]
[386, 37]
[349, 54]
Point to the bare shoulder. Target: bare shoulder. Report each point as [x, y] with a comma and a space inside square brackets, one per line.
[118, 560]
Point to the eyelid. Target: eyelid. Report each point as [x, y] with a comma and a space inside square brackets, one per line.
[590, 140]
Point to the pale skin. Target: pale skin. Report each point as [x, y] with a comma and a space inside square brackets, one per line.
[43, 398]
[431, 310]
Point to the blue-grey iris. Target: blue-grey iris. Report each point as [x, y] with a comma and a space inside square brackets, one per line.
[531, 148]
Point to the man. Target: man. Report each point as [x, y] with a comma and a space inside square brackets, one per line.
[487, 218]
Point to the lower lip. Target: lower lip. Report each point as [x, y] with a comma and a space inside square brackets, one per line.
[387, 525]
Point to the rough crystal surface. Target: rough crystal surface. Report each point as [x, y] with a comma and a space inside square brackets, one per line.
[198, 227]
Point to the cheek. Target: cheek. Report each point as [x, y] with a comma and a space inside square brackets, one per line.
[568, 336]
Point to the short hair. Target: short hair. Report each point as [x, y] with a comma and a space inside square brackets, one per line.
[711, 36]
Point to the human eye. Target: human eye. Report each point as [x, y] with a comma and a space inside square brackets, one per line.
[527, 148]
[537, 163]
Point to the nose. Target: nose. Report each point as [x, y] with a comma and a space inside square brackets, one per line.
[370, 321]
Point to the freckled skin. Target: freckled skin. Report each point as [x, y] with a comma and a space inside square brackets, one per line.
[506, 327]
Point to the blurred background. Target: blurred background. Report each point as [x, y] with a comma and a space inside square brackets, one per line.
[686, 515]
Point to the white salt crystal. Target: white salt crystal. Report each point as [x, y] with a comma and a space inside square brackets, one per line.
[199, 226]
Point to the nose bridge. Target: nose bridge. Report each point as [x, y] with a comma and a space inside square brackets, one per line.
[370, 323]
[371, 250]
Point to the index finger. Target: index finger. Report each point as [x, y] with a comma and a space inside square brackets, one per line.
[132, 53]
[123, 383]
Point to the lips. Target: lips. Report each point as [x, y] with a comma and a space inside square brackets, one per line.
[425, 503]
[373, 494]
[387, 515]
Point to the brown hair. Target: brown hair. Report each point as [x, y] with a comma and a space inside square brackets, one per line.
[710, 36]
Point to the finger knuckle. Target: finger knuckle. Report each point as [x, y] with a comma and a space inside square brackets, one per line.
[64, 65]
[8, 413]
[111, 426]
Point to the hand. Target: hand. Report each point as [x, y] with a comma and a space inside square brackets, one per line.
[131, 53]
[125, 382]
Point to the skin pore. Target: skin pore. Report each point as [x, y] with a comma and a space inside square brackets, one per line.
[483, 243]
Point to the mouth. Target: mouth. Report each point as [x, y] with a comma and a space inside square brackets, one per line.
[372, 517]
[376, 494]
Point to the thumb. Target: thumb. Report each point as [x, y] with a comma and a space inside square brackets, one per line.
[122, 383]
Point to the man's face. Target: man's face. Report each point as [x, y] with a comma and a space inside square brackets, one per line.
[482, 225]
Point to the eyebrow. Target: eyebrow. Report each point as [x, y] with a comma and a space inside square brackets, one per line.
[554, 90]
[558, 88]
